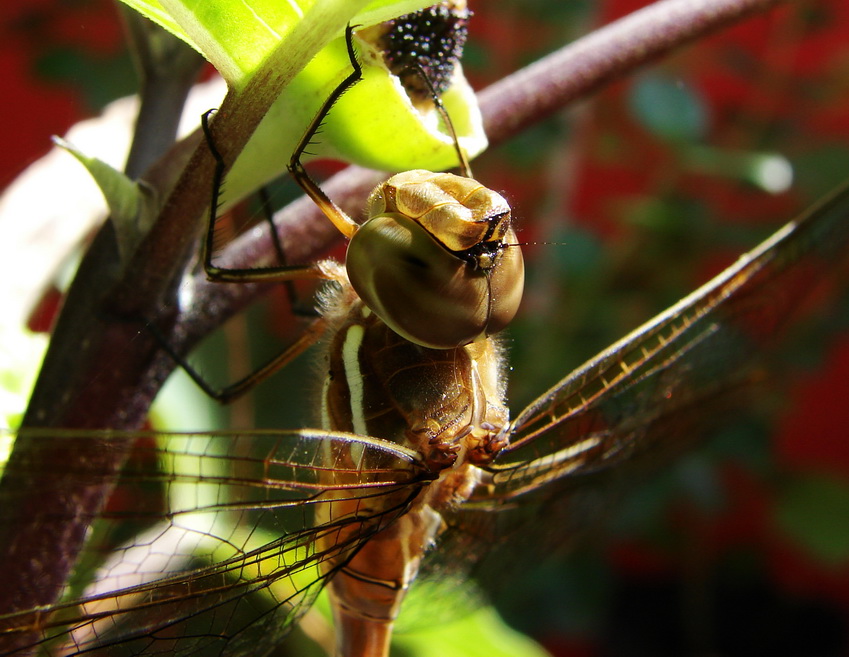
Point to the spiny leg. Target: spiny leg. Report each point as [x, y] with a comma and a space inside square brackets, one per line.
[235, 390]
[299, 308]
[281, 272]
[342, 221]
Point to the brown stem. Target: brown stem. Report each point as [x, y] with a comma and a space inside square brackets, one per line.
[607, 54]
[167, 68]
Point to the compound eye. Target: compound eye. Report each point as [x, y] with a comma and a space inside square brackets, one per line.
[426, 293]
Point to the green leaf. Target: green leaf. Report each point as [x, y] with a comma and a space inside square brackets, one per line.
[237, 36]
[482, 633]
[154, 11]
[811, 510]
[379, 11]
[130, 206]
[393, 135]
[374, 124]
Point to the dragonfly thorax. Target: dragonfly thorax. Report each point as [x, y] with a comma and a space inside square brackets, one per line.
[441, 403]
[437, 259]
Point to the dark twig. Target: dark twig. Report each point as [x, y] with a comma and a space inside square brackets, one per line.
[607, 54]
[167, 69]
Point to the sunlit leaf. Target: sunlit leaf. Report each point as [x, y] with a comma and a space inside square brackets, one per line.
[237, 36]
[130, 207]
[480, 634]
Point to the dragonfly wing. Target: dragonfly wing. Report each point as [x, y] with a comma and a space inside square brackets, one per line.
[650, 394]
[647, 391]
[229, 556]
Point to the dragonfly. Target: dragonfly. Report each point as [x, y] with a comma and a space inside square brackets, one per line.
[418, 467]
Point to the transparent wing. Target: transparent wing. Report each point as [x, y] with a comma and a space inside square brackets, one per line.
[209, 544]
[650, 394]
[639, 393]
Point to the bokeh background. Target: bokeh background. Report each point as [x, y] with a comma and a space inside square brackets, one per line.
[632, 198]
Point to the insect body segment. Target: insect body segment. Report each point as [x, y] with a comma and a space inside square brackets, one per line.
[445, 404]
[437, 247]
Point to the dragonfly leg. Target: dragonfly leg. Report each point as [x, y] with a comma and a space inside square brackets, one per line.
[346, 225]
[235, 390]
[298, 308]
[281, 272]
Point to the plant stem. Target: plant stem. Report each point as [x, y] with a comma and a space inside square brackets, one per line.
[607, 54]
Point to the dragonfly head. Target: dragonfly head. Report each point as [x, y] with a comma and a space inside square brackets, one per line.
[437, 259]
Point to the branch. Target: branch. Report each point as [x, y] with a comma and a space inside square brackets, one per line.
[604, 56]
